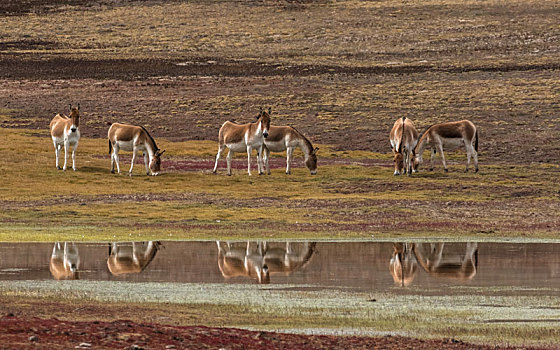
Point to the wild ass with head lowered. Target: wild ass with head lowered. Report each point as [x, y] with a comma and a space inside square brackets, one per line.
[127, 258]
[403, 138]
[133, 138]
[448, 134]
[244, 138]
[65, 132]
[287, 138]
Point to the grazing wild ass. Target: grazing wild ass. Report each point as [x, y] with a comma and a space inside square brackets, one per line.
[236, 261]
[448, 134]
[286, 138]
[126, 258]
[65, 262]
[403, 138]
[244, 138]
[65, 132]
[133, 138]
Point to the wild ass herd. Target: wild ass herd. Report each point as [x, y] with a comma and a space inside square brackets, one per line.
[407, 144]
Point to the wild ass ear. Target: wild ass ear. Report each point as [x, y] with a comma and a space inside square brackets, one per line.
[269, 110]
[70, 107]
[315, 150]
[78, 106]
[160, 153]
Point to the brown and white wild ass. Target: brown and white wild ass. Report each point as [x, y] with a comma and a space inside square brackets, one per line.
[287, 138]
[448, 134]
[244, 138]
[234, 261]
[285, 260]
[134, 138]
[65, 132]
[403, 138]
[126, 258]
[65, 261]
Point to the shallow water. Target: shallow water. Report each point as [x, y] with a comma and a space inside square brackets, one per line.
[361, 266]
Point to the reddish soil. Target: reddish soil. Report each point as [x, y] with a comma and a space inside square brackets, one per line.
[36, 333]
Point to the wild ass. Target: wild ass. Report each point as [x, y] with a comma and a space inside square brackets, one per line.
[65, 132]
[133, 138]
[458, 266]
[244, 137]
[126, 258]
[448, 134]
[236, 261]
[65, 262]
[287, 138]
[403, 264]
[403, 138]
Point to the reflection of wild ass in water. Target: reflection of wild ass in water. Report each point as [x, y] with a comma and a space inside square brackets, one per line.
[263, 260]
[244, 138]
[407, 256]
[133, 138]
[243, 261]
[448, 134]
[286, 138]
[65, 132]
[65, 262]
[403, 138]
[125, 258]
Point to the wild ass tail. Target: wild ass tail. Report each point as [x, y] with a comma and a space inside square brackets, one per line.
[476, 140]
[402, 136]
[110, 146]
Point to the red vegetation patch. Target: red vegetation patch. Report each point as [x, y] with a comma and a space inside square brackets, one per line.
[36, 333]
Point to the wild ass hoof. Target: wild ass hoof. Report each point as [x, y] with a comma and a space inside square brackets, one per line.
[446, 170]
[476, 170]
[112, 171]
[261, 174]
[58, 168]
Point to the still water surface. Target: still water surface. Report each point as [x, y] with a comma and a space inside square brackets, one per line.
[360, 266]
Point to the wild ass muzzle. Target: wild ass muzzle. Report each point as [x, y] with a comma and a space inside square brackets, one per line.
[134, 138]
[287, 138]
[452, 134]
[65, 261]
[244, 138]
[65, 132]
[403, 138]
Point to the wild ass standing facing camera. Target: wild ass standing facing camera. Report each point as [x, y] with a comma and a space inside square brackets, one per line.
[65, 261]
[244, 137]
[133, 138]
[65, 132]
[403, 138]
[234, 261]
[448, 134]
[286, 138]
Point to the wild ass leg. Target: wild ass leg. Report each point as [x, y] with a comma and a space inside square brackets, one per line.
[266, 155]
[146, 163]
[432, 158]
[469, 150]
[220, 150]
[440, 150]
[65, 155]
[475, 156]
[57, 153]
[116, 155]
[228, 159]
[74, 156]
[249, 151]
[289, 153]
[132, 162]
[260, 163]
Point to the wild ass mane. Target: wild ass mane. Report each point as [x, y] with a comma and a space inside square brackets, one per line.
[151, 138]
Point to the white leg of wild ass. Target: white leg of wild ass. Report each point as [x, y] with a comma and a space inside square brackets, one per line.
[146, 163]
[289, 153]
[117, 159]
[432, 158]
[132, 162]
[260, 163]
[74, 156]
[440, 149]
[57, 153]
[249, 151]
[266, 155]
[220, 150]
[65, 155]
[475, 156]
[228, 159]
